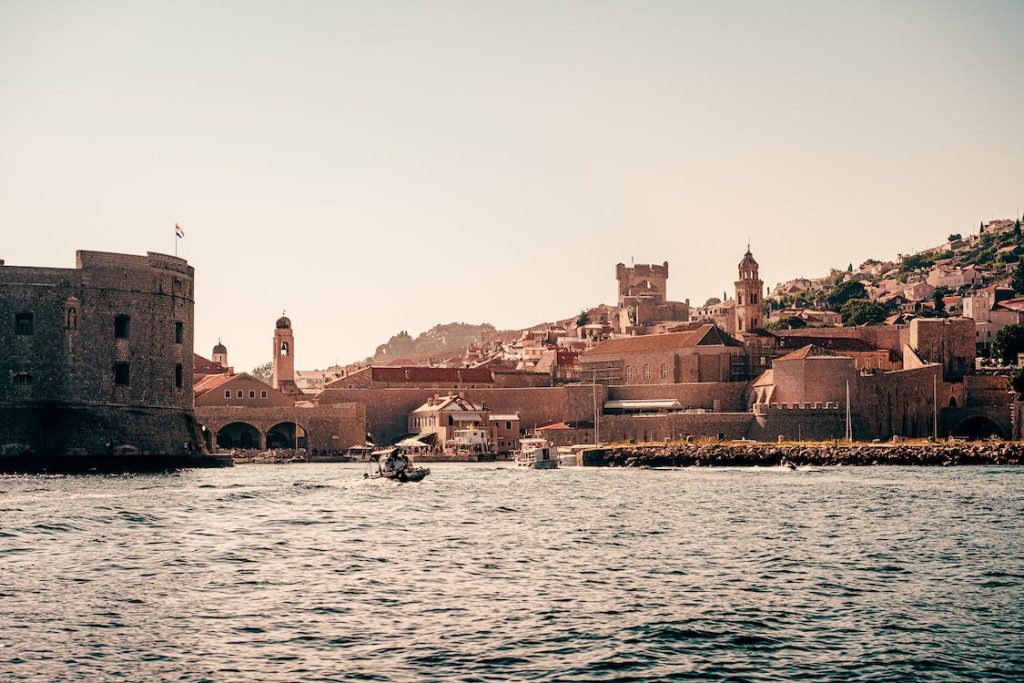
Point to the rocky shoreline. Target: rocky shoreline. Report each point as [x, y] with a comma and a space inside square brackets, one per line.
[822, 455]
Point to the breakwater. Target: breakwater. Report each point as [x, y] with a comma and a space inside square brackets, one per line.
[774, 455]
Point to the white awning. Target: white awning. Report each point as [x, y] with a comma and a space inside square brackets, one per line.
[412, 443]
[645, 404]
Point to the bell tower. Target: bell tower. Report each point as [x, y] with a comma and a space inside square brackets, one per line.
[284, 355]
[220, 354]
[749, 304]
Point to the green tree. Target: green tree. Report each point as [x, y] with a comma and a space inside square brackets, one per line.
[1018, 277]
[981, 226]
[862, 312]
[845, 292]
[1008, 343]
[954, 237]
[1017, 382]
[264, 372]
[849, 268]
[1016, 227]
[582, 319]
[938, 297]
[790, 323]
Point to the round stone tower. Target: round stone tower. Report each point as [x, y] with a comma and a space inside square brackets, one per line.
[749, 304]
[284, 354]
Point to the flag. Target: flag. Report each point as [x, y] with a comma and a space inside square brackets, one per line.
[178, 231]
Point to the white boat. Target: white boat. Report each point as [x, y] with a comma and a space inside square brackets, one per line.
[536, 454]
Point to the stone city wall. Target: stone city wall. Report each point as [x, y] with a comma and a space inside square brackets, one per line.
[336, 427]
[729, 397]
[387, 410]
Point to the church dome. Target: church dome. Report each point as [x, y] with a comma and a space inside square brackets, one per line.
[283, 323]
[748, 261]
[220, 349]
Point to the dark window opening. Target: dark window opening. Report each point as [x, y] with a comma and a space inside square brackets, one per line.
[284, 348]
[122, 376]
[179, 333]
[23, 324]
[22, 379]
[122, 327]
[178, 376]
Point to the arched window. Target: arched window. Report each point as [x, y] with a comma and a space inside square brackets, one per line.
[629, 374]
[284, 348]
[647, 373]
[952, 401]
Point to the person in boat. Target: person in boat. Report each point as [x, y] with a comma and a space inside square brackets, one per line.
[389, 464]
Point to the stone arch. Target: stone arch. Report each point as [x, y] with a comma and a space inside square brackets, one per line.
[238, 435]
[287, 435]
[952, 401]
[207, 435]
[977, 427]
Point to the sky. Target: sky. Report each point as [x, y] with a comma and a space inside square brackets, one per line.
[380, 166]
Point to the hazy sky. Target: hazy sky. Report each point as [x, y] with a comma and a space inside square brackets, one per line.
[379, 166]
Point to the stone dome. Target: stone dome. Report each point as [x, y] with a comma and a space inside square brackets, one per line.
[283, 323]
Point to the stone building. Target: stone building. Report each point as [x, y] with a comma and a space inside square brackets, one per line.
[98, 358]
[704, 354]
[643, 300]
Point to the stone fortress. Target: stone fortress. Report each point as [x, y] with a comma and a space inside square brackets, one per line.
[97, 358]
[100, 361]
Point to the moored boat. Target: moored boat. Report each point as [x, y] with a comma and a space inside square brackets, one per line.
[537, 454]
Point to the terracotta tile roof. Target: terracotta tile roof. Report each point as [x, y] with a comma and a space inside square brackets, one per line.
[554, 425]
[424, 374]
[211, 382]
[809, 351]
[839, 344]
[705, 335]
[205, 366]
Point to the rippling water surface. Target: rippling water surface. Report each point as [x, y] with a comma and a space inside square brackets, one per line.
[487, 573]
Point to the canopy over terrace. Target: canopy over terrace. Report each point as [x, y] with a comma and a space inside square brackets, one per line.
[642, 406]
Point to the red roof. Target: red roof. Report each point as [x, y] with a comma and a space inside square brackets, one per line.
[809, 351]
[705, 335]
[211, 382]
[840, 344]
[205, 366]
[424, 374]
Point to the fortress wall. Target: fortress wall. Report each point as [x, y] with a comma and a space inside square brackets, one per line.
[729, 396]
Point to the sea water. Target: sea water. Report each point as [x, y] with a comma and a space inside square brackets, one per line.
[307, 572]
